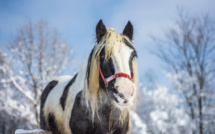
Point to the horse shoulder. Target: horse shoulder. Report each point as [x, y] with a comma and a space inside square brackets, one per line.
[60, 100]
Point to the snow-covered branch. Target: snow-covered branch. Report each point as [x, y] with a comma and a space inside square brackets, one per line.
[35, 55]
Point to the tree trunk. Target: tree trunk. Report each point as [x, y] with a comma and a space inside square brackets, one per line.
[200, 116]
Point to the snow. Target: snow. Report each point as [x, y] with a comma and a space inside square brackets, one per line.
[22, 131]
[138, 127]
[163, 111]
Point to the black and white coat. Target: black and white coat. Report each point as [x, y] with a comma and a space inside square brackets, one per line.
[81, 104]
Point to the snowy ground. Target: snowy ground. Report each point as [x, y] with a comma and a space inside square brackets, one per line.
[138, 127]
[21, 131]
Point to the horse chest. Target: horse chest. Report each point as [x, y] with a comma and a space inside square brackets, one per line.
[81, 120]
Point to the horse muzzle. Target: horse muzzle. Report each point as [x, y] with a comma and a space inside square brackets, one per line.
[126, 91]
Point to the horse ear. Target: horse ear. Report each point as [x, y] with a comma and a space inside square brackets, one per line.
[128, 31]
[100, 30]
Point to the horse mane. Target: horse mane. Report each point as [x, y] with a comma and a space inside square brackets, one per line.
[92, 93]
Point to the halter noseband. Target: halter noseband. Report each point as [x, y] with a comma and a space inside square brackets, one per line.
[112, 77]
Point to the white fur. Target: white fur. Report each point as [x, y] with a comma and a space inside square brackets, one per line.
[52, 104]
[120, 57]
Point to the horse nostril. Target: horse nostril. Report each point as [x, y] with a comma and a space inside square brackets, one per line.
[121, 95]
[125, 101]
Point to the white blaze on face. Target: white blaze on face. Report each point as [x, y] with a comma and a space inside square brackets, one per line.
[125, 87]
[121, 56]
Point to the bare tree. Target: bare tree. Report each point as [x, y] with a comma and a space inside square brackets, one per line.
[36, 55]
[189, 52]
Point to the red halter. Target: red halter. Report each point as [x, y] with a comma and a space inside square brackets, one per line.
[112, 77]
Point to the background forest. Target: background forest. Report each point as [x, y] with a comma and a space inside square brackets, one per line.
[175, 42]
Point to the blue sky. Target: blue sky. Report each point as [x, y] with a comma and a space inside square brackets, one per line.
[76, 21]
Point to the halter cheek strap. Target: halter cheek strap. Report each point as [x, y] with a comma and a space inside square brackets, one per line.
[112, 77]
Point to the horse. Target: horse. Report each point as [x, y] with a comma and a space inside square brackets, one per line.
[101, 96]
